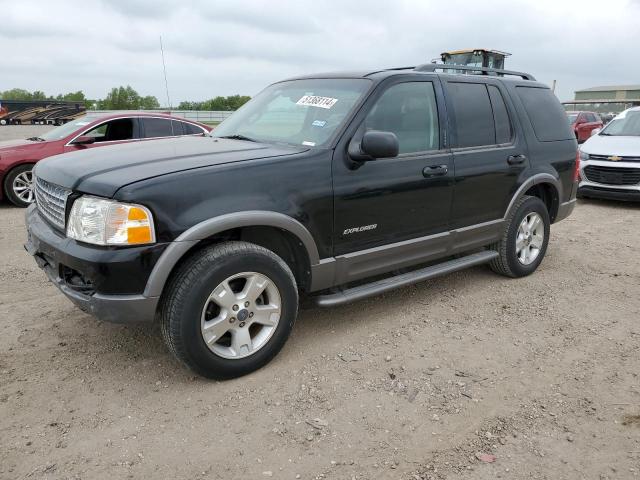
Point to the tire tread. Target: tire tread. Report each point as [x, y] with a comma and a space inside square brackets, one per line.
[500, 264]
[186, 275]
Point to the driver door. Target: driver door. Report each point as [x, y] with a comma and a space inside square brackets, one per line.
[385, 204]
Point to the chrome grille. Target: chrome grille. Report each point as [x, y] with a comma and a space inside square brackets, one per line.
[607, 158]
[51, 200]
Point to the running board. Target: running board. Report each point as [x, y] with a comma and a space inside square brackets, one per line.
[391, 283]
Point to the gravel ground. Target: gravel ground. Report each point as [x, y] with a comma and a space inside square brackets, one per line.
[471, 376]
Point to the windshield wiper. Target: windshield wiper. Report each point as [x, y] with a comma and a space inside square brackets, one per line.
[36, 139]
[239, 137]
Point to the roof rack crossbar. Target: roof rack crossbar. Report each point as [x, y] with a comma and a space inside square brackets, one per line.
[431, 67]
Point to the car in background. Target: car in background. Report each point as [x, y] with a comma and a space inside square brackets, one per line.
[583, 123]
[607, 117]
[17, 157]
[610, 160]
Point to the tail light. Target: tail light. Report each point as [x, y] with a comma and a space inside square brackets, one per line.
[576, 171]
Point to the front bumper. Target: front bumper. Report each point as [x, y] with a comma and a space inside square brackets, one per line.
[88, 276]
[589, 188]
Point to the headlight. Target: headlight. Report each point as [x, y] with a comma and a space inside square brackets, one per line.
[107, 222]
[584, 156]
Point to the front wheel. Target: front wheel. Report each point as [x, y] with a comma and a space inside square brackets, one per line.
[229, 309]
[524, 239]
[18, 185]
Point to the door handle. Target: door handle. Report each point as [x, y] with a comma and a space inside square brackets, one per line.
[435, 171]
[516, 159]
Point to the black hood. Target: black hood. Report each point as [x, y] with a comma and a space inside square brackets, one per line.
[103, 170]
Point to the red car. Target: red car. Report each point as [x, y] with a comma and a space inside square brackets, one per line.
[583, 123]
[17, 157]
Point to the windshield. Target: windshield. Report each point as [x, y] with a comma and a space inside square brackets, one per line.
[572, 118]
[68, 128]
[298, 112]
[626, 124]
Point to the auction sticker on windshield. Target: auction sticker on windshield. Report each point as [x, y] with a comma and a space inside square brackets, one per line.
[315, 101]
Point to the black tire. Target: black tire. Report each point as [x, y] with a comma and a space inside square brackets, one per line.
[188, 290]
[8, 185]
[507, 262]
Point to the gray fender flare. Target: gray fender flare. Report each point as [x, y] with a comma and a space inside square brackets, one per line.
[530, 182]
[207, 228]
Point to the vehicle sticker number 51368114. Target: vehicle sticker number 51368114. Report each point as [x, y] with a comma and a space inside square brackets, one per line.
[315, 101]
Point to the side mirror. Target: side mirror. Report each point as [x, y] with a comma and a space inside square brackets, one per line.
[84, 140]
[375, 144]
[595, 131]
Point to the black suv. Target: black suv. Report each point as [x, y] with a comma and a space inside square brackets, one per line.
[335, 187]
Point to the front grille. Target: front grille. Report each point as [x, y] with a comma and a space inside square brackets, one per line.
[51, 200]
[607, 158]
[612, 175]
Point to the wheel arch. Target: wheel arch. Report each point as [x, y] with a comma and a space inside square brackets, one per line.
[278, 232]
[544, 186]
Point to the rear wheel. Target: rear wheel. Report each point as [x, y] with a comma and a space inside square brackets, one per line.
[524, 240]
[18, 185]
[229, 309]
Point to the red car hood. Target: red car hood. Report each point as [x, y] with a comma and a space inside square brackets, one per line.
[12, 144]
[27, 150]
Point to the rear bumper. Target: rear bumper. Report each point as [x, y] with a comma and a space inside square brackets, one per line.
[56, 255]
[565, 209]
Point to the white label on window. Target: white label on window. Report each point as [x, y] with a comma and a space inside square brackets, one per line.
[314, 101]
[81, 124]
[309, 144]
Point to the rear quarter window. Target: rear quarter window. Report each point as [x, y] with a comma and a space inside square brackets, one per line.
[548, 118]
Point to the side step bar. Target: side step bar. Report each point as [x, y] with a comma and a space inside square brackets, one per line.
[391, 283]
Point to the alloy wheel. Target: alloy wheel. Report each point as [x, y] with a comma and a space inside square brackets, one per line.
[23, 186]
[529, 238]
[240, 315]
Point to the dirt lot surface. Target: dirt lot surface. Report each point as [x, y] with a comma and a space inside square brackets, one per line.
[432, 381]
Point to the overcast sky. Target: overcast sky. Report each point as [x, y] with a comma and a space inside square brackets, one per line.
[219, 47]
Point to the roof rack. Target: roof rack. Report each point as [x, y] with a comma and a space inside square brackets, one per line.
[432, 67]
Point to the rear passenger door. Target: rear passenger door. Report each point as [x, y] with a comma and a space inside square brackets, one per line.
[488, 153]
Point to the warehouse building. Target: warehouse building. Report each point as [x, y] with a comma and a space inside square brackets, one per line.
[608, 99]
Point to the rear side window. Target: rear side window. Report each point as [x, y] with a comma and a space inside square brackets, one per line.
[547, 116]
[474, 115]
[158, 127]
[177, 127]
[504, 131]
[190, 129]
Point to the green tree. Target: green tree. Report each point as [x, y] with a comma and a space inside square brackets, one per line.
[38, 95]
[149, 102]
[72, 96]
[16, 94]
[126, 98]
[229, 103]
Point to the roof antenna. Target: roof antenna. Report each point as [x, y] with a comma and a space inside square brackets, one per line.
[164, 67]
[166, 84]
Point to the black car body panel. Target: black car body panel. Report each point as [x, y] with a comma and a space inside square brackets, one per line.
[102, 173]
[349, 219]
